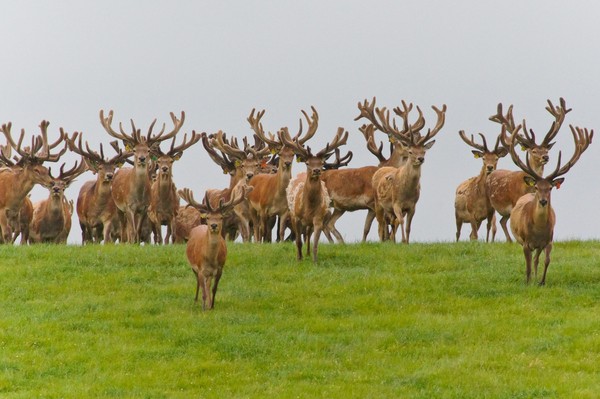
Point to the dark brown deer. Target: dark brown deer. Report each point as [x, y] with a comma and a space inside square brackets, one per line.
[131, 186]
[96, 208]
[471, 203]
[51, 222]
[164, 201]
[206, 248]
[269, 198]
[505, 187]
[532, 219]
[23, 172]
[309, 201]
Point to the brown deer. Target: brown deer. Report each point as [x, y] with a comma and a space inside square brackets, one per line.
[131, 186]
[269, 198]
[206, 248]
[309, 202]
[248, 163]
[532, 218]
[186, 219]
[397, 189]
[505, 187]
[23, 222]
[51, 222]
[471, 203]
[23, 172]
[164, 201]
[96, 209]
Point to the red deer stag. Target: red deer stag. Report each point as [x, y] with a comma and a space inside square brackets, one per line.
[532, 218]
[51, 222]
[96, 209]
[131, 186]
[472, 204]
[269, 198]
[206, 249]
[309, 201]
[397, 190]
[23, 172]
[505, 187]
[164, 201]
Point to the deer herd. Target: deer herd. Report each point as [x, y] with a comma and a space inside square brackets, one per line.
[131, 204]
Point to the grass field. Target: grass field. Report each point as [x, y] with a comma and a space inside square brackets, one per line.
[369, 321]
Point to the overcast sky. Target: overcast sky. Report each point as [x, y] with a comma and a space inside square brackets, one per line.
[63, 61]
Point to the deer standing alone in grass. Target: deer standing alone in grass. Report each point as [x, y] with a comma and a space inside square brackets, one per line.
[471, 203]
[164, 201]
[96, 208]
[532, 218]
[206, 248]
[23, 172]
[505, 187]
[131, 186]
[269, 198]
[309, 202]
[51, 222]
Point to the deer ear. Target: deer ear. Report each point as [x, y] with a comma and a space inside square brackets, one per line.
[558, 182]
[502, 152]
[530, 181]
[237, 163]
[477, 154]
[299, 158]
[429, 145]
[550, 145]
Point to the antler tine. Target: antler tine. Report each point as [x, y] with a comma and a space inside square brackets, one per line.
[498, 145]
[177, 124]
[419, 123]
[368, 111]
[313, 124]
[185, 144]
[257, 127]
[5, 154]
[299, 149]
[232, 150]
[441, 115]
[472, 142]
[403, 113]
[71, 174]
[236, 198]
[106, 124]
[6, 130]
[188, 196]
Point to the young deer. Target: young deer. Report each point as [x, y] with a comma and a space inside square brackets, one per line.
[532, 218]
[505, 187]
[51, 221]
[206, 248]
[96, 209]
[23, 172]
[164, 202]
[309, 201]
[131, 187]
[472, 204]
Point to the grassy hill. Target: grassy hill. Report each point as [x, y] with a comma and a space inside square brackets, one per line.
[370, 320]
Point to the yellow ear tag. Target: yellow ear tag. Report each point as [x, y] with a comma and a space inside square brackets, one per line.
[204, 215]
[120, 164]
[128, 147]
[273, 151]
[392, 139]
[225, 172]
[531, 183]
[523, 148]
[298, 159]
[477, 156]
[176, 158]
[238, 163]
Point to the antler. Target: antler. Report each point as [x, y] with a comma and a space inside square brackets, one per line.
[222, 160]
[92, 155]
[339, 162]
[177, 124]
[70, 175]
[471, 142]
[232, 149]
[339, 139]
[188, 196]
[441, 119]
[559, 114]
[525, 167]
[136, 137]
[258, 129]
[176, 151]
[368, 132]
[582, 138]
[37, 143]
[313, 124]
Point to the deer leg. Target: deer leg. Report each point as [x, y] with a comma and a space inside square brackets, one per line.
[331, 224]
[536, 261]
[474, 230]
[547, 251]
[491, 225]
[400, 218]
[298, 230]
[106, 229]
[206, 293]
[215, 286]
[409, 217]
[283, 220]
[6, 230]
[527, 253]
[368, 222]
[503, 221]
[307, 235]
[317, 234]
[459, 224]
[198, 282]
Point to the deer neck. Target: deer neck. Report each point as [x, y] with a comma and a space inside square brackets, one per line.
[55, 206]
[311, 196]
[396, 160]
[140, 183]
[21, 186]
[283, 178]
[408, 175]
[213, 242]
[542, 214]
[537, 167]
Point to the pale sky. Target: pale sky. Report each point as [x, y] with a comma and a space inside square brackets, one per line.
[63, 61]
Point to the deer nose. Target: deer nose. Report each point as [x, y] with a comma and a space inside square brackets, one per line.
[142, 158]
[213, 226]
[490, 168]
[287, 163]
[421, 159]
[109, 176]
[56, 189]
[545, 158]
[165, 169]
[249, 175]
[543, 202]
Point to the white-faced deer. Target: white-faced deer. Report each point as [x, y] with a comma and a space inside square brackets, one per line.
[532, 218]
[51, 221]
[164, 201]
[131, 186]
[397, 190]
[206, 248]
[505, 187]
[472, 204]
[23, 172]
[309, 201]
[269, 199]
[96, 208]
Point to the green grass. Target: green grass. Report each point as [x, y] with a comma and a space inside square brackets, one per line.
[369, 321]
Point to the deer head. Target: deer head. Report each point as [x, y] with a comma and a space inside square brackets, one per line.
[481, 151]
